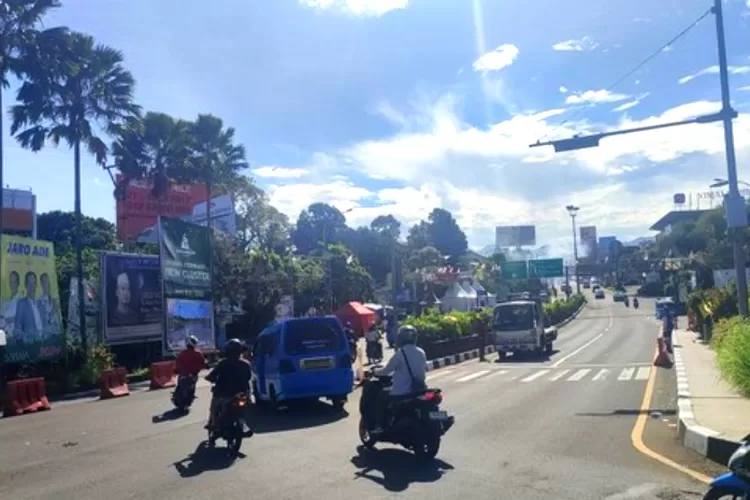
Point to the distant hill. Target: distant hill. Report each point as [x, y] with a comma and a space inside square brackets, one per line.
[642, 241]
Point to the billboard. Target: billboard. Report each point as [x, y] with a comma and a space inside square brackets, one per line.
[140, 210]
[223, 215]
[133, 309]
[588, 243]
[185, 251]
[19, 212]
[30, 300]
[514, 236]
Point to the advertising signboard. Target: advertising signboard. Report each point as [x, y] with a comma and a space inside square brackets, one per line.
[140, 210]
[514, 236]
[19, 212]
[30, 300]
[588, 243]
[133, 309]
[185, 251]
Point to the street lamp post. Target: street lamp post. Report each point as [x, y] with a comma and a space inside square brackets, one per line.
[734, 205]
[573, 212]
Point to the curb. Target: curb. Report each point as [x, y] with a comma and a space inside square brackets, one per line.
[704, 441]
[455, 359]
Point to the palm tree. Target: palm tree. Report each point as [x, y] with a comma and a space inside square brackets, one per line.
[63, 101]
[156, 148]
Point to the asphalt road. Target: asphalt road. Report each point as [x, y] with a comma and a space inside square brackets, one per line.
[522, 431]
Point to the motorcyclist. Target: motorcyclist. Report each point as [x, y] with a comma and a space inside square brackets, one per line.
[351, 338]
[667, 327]
[372, 339]
[408, 369]
[635, 302]
[191, 360]
[230, 377]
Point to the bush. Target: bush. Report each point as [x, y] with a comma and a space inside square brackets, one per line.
[731, 341]
[434, 325]
[714, 303]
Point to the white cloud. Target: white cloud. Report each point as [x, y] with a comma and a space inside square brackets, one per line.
[271, 172]
[631, 104]
[497, 59]
[714, 70]
[595, 96]
[563, 89]
[582, 44]
[746, 87]
[359, 7]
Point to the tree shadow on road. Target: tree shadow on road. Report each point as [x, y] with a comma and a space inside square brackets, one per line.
[298, 415]
[399, 468]
[205, 459]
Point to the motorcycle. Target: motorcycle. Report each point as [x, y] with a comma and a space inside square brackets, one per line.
[230, 425]
[736, 482]
[416, 422]
[635, 303]
[374, 352]
[627, 302]
[184, 394]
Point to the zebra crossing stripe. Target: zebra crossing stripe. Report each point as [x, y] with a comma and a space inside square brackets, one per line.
[643, 373]
[535, 376]
[626, 374]
[434, 375]
[558, 375]
[493, 375]
[601, 375]
[579, 375]
[473, 376]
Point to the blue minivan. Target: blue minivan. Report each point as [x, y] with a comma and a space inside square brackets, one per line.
[302, 358]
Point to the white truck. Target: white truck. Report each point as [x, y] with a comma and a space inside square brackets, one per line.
[518, 326]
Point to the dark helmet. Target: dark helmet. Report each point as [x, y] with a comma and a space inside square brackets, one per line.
[233, 348]
[407, 334]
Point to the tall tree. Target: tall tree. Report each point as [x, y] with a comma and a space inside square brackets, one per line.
[155, 149]
[319, 224]
[64, 101]
[445, 233]
[260, 225]
[387, 225]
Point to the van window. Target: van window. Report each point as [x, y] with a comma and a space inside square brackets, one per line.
[312, 336]
[513, 317]
[266, 344]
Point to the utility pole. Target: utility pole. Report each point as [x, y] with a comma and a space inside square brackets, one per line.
[734, 204]
[735, 209]
[573, 212]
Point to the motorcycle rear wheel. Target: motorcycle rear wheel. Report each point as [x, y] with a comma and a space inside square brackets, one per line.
[368, 441]
[723, 493]
[428, 449]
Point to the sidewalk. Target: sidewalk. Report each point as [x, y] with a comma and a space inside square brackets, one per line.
[713, 417]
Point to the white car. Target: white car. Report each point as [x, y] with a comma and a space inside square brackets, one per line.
[599, 293]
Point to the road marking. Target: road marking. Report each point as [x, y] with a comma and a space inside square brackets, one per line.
[626, 374]
[640, 425]
[473, 376]
[643, 373]
[558, 375]
[535, 376]
[493, 375]
[601, 375]
[432, 376]
[570, 355]
[578, 375]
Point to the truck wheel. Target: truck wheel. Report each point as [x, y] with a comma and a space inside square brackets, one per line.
[501, 356]
[548, 349]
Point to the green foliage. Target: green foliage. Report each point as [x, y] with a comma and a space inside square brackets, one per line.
[732, 343]
[99, 359]
[714, 303]
[434, 325]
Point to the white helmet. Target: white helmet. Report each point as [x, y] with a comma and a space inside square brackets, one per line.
[407, 334]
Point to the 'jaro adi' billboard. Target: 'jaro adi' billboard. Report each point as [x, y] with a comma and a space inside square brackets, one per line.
[29, 300]
[185, 251]
[133, 309]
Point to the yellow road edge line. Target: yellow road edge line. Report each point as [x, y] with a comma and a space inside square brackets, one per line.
[640, 425]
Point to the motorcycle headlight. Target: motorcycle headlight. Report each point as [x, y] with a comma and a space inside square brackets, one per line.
[737, 460]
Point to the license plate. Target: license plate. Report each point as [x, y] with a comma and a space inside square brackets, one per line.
[317, 364]
[438, 415]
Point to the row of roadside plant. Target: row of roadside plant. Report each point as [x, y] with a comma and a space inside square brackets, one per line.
[715, 310]
[434, 326]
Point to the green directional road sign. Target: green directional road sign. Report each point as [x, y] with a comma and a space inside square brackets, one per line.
[514, 270]
[546, 268]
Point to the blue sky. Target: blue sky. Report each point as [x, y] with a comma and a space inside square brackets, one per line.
[399, 106]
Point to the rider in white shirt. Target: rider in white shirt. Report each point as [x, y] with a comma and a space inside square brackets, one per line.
[407, 367]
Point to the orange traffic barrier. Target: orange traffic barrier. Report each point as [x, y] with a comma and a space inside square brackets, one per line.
[162, 375]
[663, 360]
[114, 383]
[27, 395]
